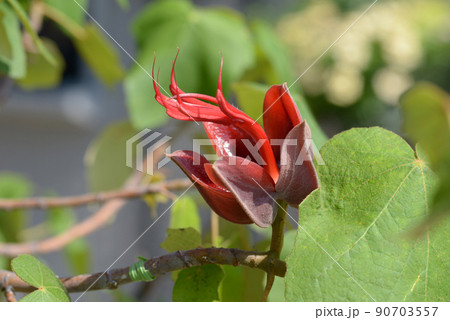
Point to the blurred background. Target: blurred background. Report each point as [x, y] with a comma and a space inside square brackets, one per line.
[69, 101]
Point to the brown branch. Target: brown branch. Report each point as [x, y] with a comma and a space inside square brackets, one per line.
[74, 201]
[94, 222]
[159, 266]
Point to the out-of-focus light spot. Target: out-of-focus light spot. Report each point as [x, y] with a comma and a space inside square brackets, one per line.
[389, 84]
[78, 107]
[344, 86]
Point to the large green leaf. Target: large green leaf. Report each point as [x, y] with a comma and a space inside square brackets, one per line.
[198, 284]
[250, 97]
[352, 242]
[427, 120]
[40, 73]
[201, 35]
[11, 222]
[105, 158]
[12, 53]
[185, 214]
[37, 274]
[100, 55]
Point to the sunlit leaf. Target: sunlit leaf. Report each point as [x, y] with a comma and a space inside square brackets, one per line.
[35, 273]
[352, 243]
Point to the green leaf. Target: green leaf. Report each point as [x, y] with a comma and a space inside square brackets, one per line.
[275, 63]
[373, 190]
[185, 214]
[427, 120]
[198, 284]
[71, 9]
[11, 222]
[105, 158]
[100, 55]
[201, 35]
[77, 252]
[242, 284]
[250, 98]
[40, 73]
[181, 239]
[29, 28]
[35, 273]
[3, 260]
[124, 4]
[12, 53]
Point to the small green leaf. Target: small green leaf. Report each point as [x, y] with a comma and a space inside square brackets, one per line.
[40, 73]
[77, 252]
[181, 239]
[35, 273]
[250, 98]
[29, 28]
[124, 4]
[100, 55]
[11, 222]
[185, 214]
[3, 259]
[198, 284]
[12, 53]
[373, 190]
[105, 158]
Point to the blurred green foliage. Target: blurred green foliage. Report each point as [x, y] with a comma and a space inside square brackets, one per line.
[360, 79]
[427, 121]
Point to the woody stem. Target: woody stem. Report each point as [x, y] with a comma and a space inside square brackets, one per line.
[276, 243]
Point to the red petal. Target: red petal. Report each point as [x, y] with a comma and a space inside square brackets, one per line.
[298, 176]
[227, 139]
[219, 199]
[280, 114]
[251, 185]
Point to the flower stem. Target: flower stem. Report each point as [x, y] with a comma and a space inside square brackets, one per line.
[276, 243]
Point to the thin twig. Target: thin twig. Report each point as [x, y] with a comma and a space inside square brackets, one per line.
[74, 201]
[9, 294]
[87, 226]
[159, 266]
